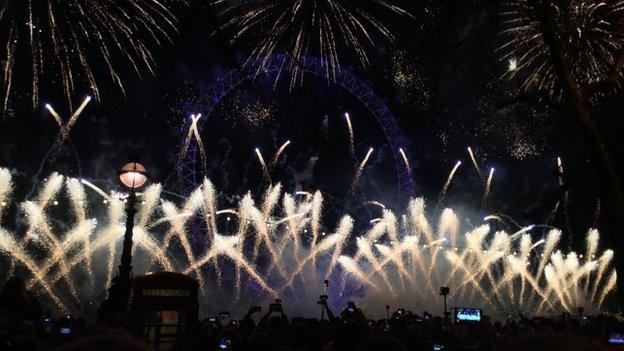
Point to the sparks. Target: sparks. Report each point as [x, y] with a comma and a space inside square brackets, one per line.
[488, 187]
[406, 160]
[322, 28]
[73, 38]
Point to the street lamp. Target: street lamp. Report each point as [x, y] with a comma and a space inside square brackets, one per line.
[132, 176]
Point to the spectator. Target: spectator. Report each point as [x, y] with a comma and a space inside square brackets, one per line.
[20, 304]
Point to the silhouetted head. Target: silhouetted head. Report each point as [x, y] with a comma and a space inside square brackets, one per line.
[117, 342]
[381, 343]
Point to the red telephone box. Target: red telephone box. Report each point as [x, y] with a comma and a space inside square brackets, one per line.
[164, 309]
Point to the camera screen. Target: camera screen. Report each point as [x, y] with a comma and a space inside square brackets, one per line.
[65, 330]
[468, 314]
[224, 344]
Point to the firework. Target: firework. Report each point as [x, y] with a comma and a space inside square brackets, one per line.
[474, 161]
[447, 184]
[255, 113]
[265, 170]
[193, 131]
[200, 143]
[376, 203]
[488, 188]
[268, 249]
[351, 135]
[360, 169]
[590, 30]
[68, 43]
[96, 189]
[560, 170]
[65, 128]
[406, 160]
[277, 155]
[322, 28]
[414, 86]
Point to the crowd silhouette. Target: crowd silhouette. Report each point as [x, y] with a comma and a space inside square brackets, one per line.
[24, 326]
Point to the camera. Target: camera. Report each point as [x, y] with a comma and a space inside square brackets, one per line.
[214, 323]
[322, 300]
[276, 306]
[351, 307]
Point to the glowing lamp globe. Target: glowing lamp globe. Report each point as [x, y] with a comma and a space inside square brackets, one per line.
[133, 175]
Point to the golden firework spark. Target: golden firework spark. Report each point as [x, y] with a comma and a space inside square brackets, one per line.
[70, 43]
[591, 30]
[65, 128]
[405, 159]
[302, 27]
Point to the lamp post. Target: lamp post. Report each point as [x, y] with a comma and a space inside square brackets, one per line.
[132, 176]
[444, 292]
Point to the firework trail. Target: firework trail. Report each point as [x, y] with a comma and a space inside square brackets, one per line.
[597, 212]
[74, 117]
[200, 143]
[565, 201]
[265, 170]
[67, 40]
[62, 139]
[358, 173]
[96, 189]
[560, 169]
[474, 162]
[351, 136]
[447, 184]
[406, 160]
[65, 128]
[57, 118]
[321, 28]
[277, 155]
[376, 203]
[193, 131]
[488, 187]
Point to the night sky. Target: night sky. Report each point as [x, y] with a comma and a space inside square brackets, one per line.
[440, 79]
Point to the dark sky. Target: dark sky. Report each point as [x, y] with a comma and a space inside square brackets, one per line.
[439, 79]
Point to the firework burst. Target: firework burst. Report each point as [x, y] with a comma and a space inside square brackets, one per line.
[317, 27]
[74, 44]
[592, 33]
